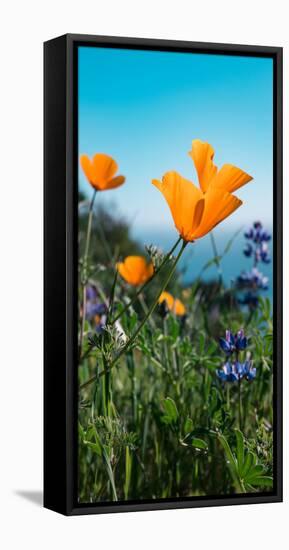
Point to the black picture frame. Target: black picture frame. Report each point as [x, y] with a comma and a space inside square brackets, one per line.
[60, 272]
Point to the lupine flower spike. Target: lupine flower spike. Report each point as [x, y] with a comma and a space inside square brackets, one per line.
[257, 247]
[234, 370]
[232, 343]
[95, 311]
[254, 281]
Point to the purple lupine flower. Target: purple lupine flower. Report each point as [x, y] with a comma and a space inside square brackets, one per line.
[259, 237]
[248, 250]
[91, 293]
[227, 344]
[264, 253]
[249, 372]
[249, 233]
[230, 372]
[253, 279]
[236, 371]
[241, 340]
[227, 373]
[95, 310]
[232, 343]
[265, 236]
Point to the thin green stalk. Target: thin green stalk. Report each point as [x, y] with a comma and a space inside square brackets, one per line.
[216, 258]
[134, 414]
[151, 309]
[142, 323]
[228, 396]
[139, 291]
[89, 226]
[110, 474]
[165, 347]
[111, 298]
[131, 368]
[145, 309]
[105, 243]
[128, 469]
[106, 389]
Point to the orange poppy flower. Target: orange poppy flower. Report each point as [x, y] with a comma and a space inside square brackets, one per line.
[135, 270]
[174, 304]
[197, 211]
[100, 171]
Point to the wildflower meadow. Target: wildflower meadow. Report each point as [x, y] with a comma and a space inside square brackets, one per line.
[175, 378]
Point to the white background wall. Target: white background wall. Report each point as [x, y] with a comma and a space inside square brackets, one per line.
[24, 26]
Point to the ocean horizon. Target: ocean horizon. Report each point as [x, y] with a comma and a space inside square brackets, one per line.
[198, 254]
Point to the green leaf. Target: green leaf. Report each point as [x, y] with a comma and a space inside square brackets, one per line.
[109, 472]
[199, 443]
[229, 455]
[256, 471]
[95, 447]
[171, 411]
[202, 343]
[188, 426]
[262, 481]
[128, 469]
[247, 465]
[232, 463]
[81, 431]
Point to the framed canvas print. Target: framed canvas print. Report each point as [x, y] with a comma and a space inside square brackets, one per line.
[163, 274]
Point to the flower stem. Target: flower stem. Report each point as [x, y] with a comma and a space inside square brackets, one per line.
[89, 225]
[216, 258]
[139, 291]
[145, 309]
[142, 323]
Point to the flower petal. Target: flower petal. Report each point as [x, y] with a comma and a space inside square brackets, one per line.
[179, 308]
[121, 267]
[135, 270]
[87, 168]
[182, 197]
[113, 183]
[218, 206]
[225, 346]
[230, 178]
[149, 270]
[202, 154]
[104, 168]
[168, 298]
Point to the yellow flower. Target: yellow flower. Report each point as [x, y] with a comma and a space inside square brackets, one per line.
[174, 304]
[197, 211]
[100, 172]
[135, 270]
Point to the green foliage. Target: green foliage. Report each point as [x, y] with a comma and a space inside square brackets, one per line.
[246, 473]
[160, 423]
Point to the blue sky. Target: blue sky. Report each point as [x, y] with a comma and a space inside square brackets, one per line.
[144, 108]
